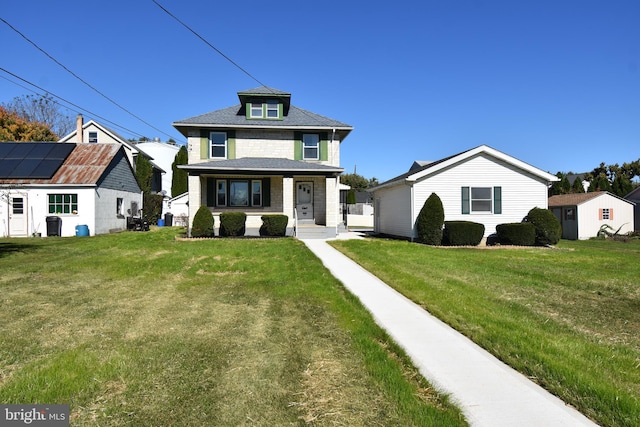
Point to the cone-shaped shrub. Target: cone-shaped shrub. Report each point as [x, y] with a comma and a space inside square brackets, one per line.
[203, 223]
[548, 228]
[430, 221]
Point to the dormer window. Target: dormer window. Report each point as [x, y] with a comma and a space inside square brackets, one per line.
[256, 110]
[272, 110]
[264, 109]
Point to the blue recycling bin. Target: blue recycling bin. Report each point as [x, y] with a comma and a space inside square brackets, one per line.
[82, 230]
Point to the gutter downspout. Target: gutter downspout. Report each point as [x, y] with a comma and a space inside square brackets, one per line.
[413, 219]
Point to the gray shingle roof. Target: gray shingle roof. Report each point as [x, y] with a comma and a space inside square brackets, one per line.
[235, 117]
[261, 164]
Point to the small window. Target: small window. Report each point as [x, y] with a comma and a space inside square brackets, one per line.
[218, 145]
[310, 146]
[481, 199]
[63, 203]
[93, 137]
[239, 193]
[119, 205]
[272, 110]
[256, 109]
[570, 214]
[606, 214]
[17, 205]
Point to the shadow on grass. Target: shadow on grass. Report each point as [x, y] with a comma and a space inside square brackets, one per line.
[7, 248]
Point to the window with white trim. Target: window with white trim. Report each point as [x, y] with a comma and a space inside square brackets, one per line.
[93, 137]
[218, 144]
[256, 192]
[63, 204]
[272, 110]
[310, 146]
[234, 193]
[119, 206]
[481, 199]
[256, 110]
[606, 213]
[221, 192]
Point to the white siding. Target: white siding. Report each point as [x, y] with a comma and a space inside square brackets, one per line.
[589, 221]
[521, 191]
[393, 210]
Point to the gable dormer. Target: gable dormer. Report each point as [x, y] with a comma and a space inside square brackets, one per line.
[264, 103]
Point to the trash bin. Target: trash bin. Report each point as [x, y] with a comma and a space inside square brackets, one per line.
[82, 230]
[168, 219]
[54, 226]
[161, 222]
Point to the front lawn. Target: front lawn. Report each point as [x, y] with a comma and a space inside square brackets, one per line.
[143, 329]
[568, 318]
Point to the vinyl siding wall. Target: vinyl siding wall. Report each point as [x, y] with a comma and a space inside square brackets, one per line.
[589, 221]
[521, 191]
[393, 211]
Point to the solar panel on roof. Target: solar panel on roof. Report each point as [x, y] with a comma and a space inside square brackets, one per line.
[32, 160]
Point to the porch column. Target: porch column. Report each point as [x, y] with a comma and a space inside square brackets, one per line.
[194, 197]
[331, 201]
[287, 198]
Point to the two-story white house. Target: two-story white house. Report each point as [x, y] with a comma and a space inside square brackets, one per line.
[266, 156]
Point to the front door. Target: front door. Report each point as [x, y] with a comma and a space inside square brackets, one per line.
[18, 215]
[304, 200]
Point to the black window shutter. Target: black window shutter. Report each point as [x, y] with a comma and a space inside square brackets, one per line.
[266, 192]
[211, 192]
[465, 200]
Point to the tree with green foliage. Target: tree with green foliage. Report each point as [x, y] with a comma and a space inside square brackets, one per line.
[430, 221]
[144, 173]
[577, 186]
[180, 178]
[14, 128]
[203, 223]
[548, 227]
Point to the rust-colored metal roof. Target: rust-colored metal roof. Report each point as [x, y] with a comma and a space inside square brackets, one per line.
[84, 166]
[573, 199]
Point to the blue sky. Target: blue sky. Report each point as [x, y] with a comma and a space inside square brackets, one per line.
[553, 83]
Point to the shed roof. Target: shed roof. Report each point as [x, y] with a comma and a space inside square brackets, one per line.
[85, 165]
[575, 199]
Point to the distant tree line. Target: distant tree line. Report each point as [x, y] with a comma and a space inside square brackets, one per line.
[616, 179]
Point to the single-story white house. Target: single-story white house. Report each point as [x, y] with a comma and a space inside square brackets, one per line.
[178, 207]
[583, 214]
[58, 189]
[481, 185]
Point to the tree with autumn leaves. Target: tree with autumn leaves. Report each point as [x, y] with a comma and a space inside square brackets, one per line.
[14, 128]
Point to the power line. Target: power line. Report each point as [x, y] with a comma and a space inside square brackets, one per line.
[81, 79]
[78, 108]
[209, 44]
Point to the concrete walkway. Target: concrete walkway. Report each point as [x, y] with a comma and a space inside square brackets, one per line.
[489, 392]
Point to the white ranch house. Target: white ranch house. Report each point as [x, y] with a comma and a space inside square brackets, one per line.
[481, 185]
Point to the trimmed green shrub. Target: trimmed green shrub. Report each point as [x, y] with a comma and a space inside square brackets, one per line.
[517, 233]
[462, 233]
[232, 224]
[548, 228]
[274, 225]
[430, 221]
[203, 223]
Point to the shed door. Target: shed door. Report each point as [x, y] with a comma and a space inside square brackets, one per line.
[18, 216]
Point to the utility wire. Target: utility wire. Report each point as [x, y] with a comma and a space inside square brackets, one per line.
[78, 108]
[209, 44]
[81, 79]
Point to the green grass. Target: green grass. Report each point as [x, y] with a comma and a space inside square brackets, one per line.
[568, 318]
[144, 329]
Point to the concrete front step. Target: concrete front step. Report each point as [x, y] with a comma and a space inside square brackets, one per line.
[312, 231]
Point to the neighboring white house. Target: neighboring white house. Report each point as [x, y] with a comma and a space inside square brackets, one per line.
[163, 155]
[93, 132]
[583, 214]
[44, 184]
[481, 185]
[634, 197]
[178, 207]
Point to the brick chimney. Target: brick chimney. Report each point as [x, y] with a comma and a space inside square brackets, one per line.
[79, 123]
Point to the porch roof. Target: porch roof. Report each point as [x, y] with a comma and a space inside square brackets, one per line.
[261, 166]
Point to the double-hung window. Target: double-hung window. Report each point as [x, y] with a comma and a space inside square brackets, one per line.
[218, 145]
[256, 110]
[63, 203]
[93, 137]
[481, 200]
[310, 146]
[272, 110]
